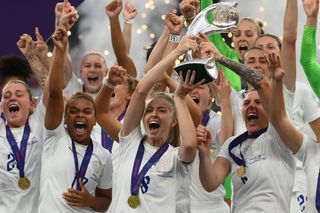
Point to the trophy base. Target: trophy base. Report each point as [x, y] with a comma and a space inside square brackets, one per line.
[204, 69]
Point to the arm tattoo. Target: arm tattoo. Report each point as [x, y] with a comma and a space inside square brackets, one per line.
[244, 71]
[40, 71]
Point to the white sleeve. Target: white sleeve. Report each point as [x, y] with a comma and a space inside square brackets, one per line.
[224, 151]
[73, 86]
[308, 150]
[106, 175]
[309, 103]
[51, 138]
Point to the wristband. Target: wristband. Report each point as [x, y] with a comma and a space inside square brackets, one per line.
[127, 21]
[174, 38]
[192, 17]
[107, 84]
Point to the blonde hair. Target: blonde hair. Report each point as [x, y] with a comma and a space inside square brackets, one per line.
[174, 135]
[93, 52]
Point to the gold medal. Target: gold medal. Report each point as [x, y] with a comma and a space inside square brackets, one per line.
[133, 201]
[24, 183]
[241, 171]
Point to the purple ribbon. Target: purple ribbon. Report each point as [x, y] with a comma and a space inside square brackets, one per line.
[136, 177]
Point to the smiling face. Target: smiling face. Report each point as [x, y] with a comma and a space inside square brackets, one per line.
[269, 44]
[201, 95]
[159, 118]
[93, 69]
[244, 38]
[16, 103]
[253, 113]
[80, 119]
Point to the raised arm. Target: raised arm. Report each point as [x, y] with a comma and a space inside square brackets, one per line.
[222, 90]
[188, 146]
[113, 10]
[105, 118]
[194, 109]
[288, 50]
[277, 112]
[66, 15]
[29, 49]
[308, 57]
[55, 107]
[136, 107]
[129, 13]
[211, 175]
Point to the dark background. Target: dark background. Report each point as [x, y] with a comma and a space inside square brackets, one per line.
[18, 17]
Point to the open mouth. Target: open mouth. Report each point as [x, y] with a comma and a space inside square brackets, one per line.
[14, 108]
[92, 79]
[252, 117]
[243, 48]
[113, 94]
[80, 127]
[196, 100]
[154, 125]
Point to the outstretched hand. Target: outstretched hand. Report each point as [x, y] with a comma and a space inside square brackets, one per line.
[186, 85]
[275, 67]
[221, 88]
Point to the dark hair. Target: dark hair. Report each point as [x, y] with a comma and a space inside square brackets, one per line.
[81, 95]
[272, 36]
[14, 66]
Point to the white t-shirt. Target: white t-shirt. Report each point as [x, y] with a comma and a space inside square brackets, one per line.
[73, 86]
[160, 187]
[309, 154]
[270, 170]
[12, 197]
[201, 200]
[58, 170]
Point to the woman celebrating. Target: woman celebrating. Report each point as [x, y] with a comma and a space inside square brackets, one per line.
[260, 160]
[150, 168]
[71, 160]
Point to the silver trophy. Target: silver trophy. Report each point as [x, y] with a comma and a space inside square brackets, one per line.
[224, 19]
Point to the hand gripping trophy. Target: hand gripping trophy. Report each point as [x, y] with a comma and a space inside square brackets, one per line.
[224, 19]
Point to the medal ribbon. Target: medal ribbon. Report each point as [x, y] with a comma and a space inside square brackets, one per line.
[106, 139]
[84, 164]
[136, 177]
[318, 194]
[238, 141]
[20, 155]
[205, 118]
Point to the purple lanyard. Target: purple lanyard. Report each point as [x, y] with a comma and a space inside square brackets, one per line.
[136, 177]
[20, 155]
[318, 193]
[84, 164]
[238, 141]
[106, 139]
[205, 118]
